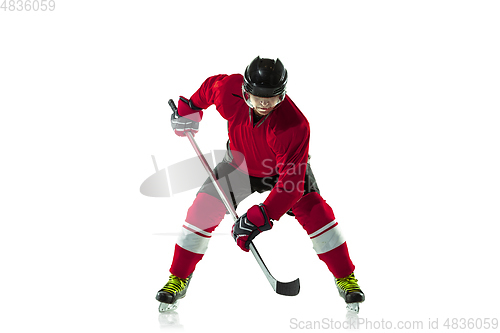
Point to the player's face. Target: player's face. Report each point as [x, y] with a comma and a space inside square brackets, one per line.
[264, 105]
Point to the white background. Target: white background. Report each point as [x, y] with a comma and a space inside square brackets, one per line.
[402, 98]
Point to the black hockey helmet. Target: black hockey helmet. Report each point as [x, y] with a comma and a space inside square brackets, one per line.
[265, 78]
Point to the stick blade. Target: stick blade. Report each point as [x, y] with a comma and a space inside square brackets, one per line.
[288, 288]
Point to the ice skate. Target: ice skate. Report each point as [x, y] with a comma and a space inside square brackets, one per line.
[350, 291]
[172, 292]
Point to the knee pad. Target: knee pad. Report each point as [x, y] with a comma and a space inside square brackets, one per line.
[206, 212]
[313, 212]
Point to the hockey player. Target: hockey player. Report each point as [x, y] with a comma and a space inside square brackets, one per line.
[268, 150]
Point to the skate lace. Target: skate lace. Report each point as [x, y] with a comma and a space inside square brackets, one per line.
[349, 283]
[175, 284]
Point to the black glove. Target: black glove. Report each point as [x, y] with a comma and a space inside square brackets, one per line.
[249, 225]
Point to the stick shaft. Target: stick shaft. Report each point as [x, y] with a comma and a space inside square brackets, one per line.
[211, 174]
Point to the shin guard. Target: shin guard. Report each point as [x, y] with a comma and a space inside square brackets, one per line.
[203, 217]
[318, 220]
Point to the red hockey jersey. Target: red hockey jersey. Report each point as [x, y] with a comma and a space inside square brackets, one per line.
[277, 144]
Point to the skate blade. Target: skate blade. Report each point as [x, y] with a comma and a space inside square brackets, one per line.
[353, 307]
[167, 307]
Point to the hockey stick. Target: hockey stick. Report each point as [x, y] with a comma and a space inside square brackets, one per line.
[283, 288]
